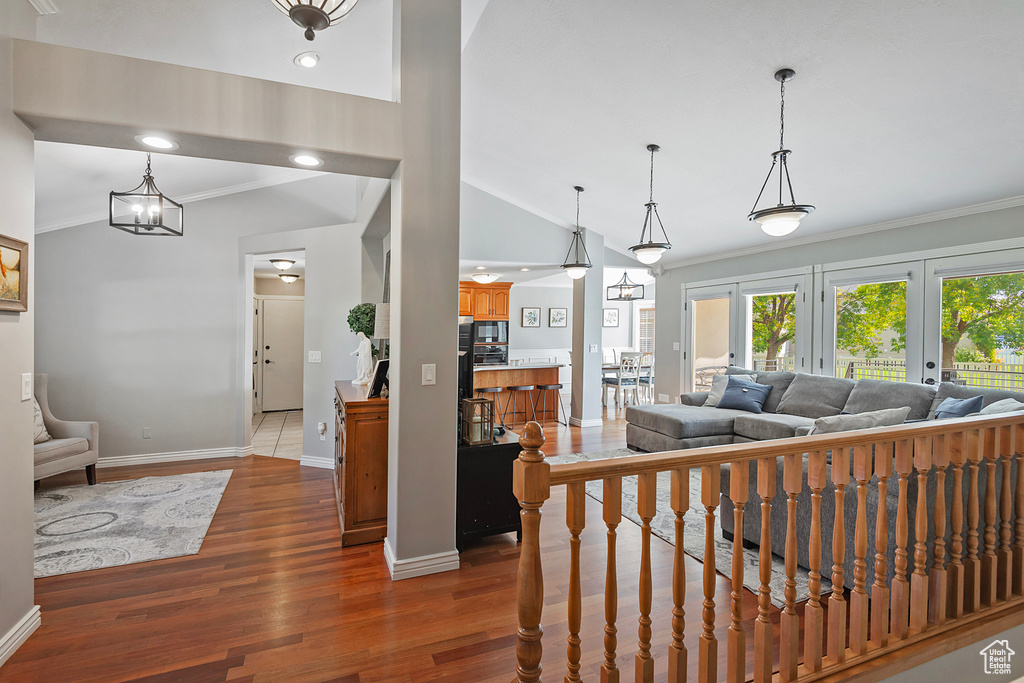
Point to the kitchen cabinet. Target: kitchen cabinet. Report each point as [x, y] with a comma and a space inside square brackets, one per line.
[487, 302]
[465, 300]
[361, 464]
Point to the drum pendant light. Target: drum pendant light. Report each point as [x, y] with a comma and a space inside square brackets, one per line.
[577, 260]
[650, 251]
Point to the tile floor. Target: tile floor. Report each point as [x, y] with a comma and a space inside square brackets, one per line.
[278, 434]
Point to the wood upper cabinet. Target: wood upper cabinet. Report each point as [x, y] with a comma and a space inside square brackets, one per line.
[465, 300]
[482, 304]
[499, 304]
[487, 302]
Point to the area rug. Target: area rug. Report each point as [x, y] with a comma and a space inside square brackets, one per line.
[663, 526]
[78, 528]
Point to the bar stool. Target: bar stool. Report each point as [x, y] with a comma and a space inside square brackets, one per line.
[542, 398]
[512, 400]
[495, 399]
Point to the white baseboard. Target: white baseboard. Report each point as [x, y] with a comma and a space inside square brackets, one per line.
[311, 461]
[419, 566]
[594, 422]
[177, 456]
[247, 451]
[19, 633]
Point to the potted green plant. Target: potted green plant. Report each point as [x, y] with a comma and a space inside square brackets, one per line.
[360, 319]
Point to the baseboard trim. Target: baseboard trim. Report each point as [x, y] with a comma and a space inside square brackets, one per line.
[247, 451]
[20, 633]
[312, 461]
[419, 566]
[176, 456]
[595, 422]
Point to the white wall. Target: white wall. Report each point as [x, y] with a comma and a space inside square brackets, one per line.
[523, 338]
[275, 286]
[621, 336]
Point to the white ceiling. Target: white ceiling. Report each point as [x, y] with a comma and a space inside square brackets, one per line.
[897, 110]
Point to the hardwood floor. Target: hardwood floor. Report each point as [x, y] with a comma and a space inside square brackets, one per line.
[272, 595]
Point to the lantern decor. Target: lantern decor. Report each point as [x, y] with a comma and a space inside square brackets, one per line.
[145, 210]
[477, 421]
[625, 290]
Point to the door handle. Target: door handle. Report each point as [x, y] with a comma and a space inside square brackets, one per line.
[268, 362]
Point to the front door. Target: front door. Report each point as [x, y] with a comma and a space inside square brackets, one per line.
[282, 354]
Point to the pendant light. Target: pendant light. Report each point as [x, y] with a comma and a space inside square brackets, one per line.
[576, 264]
[145, 210]
[625, 290]
[780, 219]
[288, 277]
[315, 15]
[282, 263]
[650, 251]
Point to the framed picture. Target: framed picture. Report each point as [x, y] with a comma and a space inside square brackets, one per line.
[611, 317]
[387, 278]
[531, 317]
[13, 274]
[558, 317]
[380, 378]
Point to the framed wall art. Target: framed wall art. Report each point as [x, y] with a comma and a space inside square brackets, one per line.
[531, 317]
[611, 317]
[13, 274]
[558, 317]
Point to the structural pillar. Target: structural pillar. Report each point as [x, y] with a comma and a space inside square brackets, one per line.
[587, 305]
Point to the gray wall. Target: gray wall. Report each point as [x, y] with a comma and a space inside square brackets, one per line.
[17, 185]
[542, 337]
[953, 232]
[621, 336]
[275, 286]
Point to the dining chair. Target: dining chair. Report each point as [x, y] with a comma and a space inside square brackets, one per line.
[646, 378]
[625, 378]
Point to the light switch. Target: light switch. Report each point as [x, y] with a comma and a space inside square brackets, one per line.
[593, 348]
[429, 374]
[26, 386]
[675, 346]
[314, 356]
[147, 433]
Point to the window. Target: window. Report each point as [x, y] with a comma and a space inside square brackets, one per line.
[773, 331]
[871, 331]
[646, 336]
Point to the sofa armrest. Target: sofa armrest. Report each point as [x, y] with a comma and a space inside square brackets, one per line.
[694, 398]
[61, 429]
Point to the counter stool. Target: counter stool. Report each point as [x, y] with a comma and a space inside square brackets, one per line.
[512, 400]
[496, 400]
[542, 398]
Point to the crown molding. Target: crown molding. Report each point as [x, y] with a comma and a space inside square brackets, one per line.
[44, 7]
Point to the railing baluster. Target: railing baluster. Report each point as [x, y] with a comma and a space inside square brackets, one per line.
[836, 602]
[899, 617]
[575, 520]
[763, 645]
[612, 517]
[1018, 504]
[880, 588]
[647, 502]
[955, 568]
[989, 563]
[739, 491]
[814, 618]
[680, 499]
[859, 596]
[937, 586]
[1004, 556]
[919, 579]
[789, 622]
[707, 649]
[972, 566]
[531, 484]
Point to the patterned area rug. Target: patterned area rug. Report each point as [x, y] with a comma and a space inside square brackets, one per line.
[79, 528]
[663, 526]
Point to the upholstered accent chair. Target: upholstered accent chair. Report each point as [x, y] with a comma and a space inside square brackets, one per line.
[74, 444]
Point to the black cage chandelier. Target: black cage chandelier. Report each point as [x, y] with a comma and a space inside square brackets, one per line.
[782, 218]
[315, 15]
[650, 251]
[145, 210]
[577, 260]
[625, 290]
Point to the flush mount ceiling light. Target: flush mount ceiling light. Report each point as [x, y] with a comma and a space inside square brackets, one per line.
[156, 142]
[524, 270]
[780, 219]
[577, 260]
[306, 160]
[481, 267]
[307, 59]
[282, 263]
[485, 278]
[650, 251]
[315, 15]
[145, 210]
[288, 277]
[625, 290]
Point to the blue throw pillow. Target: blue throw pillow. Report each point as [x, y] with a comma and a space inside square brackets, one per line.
[958, 407]
[741, 395]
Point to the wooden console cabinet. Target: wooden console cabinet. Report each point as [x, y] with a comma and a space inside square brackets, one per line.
[361, 464]
[484, 502]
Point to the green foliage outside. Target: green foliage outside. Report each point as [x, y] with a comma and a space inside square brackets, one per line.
[773, 323]
[865, 312]
[360, 319]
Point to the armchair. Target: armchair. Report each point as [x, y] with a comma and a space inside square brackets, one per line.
[74, 444]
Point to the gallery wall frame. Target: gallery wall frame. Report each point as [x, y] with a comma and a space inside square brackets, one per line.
[558, 317]
[611, 317]
[531, 317]
[13, 274]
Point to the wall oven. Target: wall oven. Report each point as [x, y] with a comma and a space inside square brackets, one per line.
[490, 332]
[490, 354]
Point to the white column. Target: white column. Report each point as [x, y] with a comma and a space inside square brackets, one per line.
[587, 302]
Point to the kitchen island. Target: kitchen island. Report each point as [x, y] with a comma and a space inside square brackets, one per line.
[485, 376]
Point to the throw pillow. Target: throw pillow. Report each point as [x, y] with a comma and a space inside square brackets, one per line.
[718, 385]
[41, 435]
[1007, 405]
[846, 423]
[958, 407]
[743, 395]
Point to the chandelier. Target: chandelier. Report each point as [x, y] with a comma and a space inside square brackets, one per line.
[315, 15]
[145, 210]
[577, 263]
[625, 290]
[650, 251]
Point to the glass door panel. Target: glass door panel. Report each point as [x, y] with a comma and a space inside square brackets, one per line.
[775, 325]
[710, 335]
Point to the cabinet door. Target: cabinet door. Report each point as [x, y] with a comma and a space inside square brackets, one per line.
[465, 301]
[483, 308]
[367, 473]
[499, 304]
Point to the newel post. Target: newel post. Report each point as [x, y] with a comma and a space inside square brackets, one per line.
[531, 483]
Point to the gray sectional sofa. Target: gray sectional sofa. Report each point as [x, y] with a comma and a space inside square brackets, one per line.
[795, 402]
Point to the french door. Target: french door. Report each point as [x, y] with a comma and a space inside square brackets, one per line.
[709, 334]
[774, 324]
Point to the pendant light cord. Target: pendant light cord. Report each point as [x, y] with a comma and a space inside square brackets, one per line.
[577, 210]
[782, 114]
[652, 177]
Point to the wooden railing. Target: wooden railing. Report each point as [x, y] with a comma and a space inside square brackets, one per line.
[841, 629]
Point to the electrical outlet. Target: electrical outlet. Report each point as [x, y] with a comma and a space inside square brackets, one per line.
[26, 386]
[147, 432]
[675, 346]
[314, 356]
[429, 374]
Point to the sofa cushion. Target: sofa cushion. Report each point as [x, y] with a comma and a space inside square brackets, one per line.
[845, 423]
[816, 396]
[683, 422]
[779, 382]
[770, 426]
[990, 396]
[875, 394]
[693, 398]
[1007, 405]
[641, 439]
[40, 434]
[743, 395]
[55, 449]
[958, 407]
[719, 383]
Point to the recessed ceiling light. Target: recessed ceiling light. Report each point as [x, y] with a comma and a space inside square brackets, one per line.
[481, 267]
[307, 59]
[156, 142]
[306, 160]
[524, 270]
